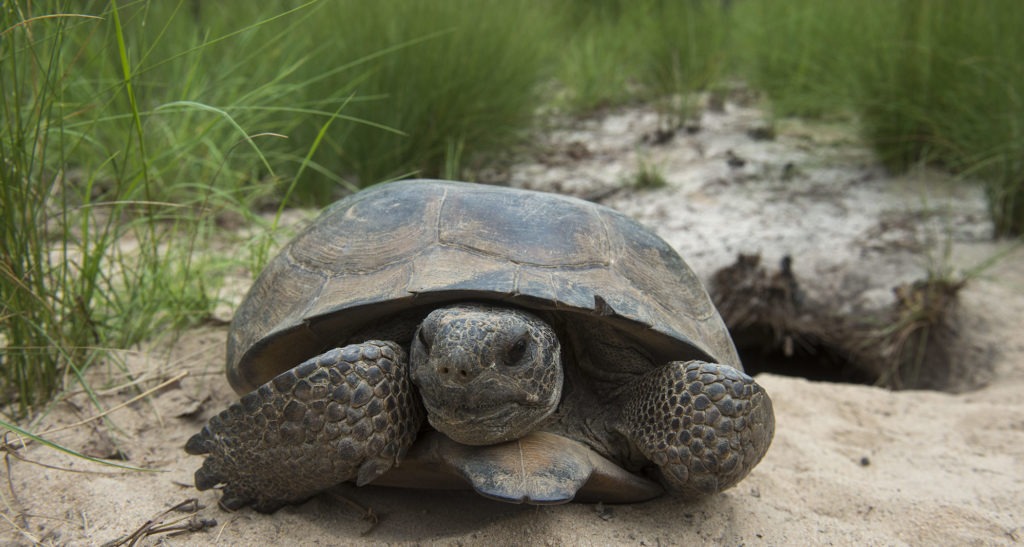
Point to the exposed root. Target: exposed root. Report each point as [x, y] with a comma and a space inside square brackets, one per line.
[914, 344]
[777, 328]
[748, 297]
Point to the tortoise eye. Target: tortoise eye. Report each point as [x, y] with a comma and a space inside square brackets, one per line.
[516, 351]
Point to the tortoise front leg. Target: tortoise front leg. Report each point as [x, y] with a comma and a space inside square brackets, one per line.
[704, 425]
[348, 414]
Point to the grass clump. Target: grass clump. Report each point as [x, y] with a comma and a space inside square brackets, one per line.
[618, 52]
[455, 80]
[934, 82]
[647, 176]
[116, 166]
[213, 99]
[599, 62]
[792, 52]
[686, 50]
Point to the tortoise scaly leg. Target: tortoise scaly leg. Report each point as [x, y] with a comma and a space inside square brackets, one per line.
[349, 414]
[704, 425]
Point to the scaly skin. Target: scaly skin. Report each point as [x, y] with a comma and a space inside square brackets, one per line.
[704, 425]
[347, 415]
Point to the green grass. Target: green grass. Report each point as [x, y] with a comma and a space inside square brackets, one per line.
[928, 81]
[460, 75]
[119, 155]
[617, 52]
[647, 176]
[409, 82]
[789, 52]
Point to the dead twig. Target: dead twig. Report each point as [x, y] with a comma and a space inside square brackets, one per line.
[157, 525]
[366, 513]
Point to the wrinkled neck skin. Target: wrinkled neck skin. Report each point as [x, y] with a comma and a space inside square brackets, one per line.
[486, 373]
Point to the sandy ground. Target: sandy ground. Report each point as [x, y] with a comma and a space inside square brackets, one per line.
[850, 464]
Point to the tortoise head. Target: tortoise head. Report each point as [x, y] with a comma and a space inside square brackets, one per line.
[487, 374]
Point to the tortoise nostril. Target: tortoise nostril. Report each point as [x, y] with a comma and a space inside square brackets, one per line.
[454, 373]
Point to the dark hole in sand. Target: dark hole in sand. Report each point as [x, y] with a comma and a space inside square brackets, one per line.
[778, 329]
[812, 359]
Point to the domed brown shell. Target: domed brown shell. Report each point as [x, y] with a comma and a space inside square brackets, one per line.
[416, 243]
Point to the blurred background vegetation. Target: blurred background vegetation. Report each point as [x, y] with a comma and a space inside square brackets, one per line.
[132, 131]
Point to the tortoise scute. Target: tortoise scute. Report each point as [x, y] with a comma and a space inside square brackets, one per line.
[505, 224]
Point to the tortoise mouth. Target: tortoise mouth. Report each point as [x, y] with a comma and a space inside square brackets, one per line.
[486, 424]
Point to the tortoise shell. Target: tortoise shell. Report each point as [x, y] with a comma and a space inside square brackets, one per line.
[420, 243]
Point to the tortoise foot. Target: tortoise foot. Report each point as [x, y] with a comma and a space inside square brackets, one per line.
[704, 425]
[346, 415]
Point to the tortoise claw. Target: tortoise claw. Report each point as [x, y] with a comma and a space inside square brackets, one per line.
[199, 443]
[206, 479]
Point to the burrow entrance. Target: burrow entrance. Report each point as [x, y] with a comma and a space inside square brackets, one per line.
[777, 328]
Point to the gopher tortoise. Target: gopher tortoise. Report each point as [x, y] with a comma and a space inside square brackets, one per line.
[533, 347]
